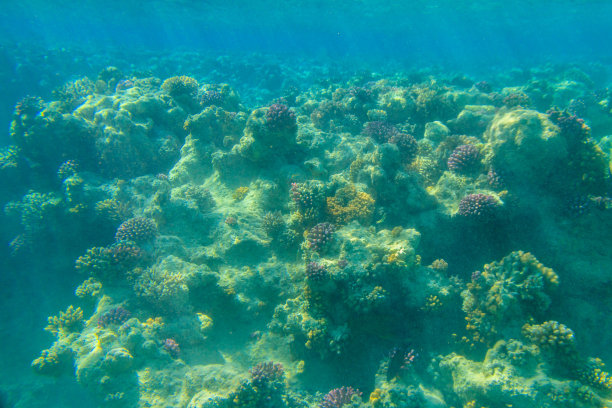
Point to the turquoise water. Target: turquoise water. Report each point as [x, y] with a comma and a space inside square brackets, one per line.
[334, 204]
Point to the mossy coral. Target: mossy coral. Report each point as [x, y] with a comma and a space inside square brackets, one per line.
[502, 297]
[348, 204]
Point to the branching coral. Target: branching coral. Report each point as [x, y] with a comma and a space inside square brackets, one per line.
[55, 361]
[553, 337]
[67, 322]
[464, 159]
[165, 286]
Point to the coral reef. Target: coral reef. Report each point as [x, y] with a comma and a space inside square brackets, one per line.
[320, 235]
[348, 204]
[117, 316]
[478, 206]
[280, 118]
[503, 296]
[339, 397]
[464, 159]
[66, 322]
[283, 248]
[138, 229]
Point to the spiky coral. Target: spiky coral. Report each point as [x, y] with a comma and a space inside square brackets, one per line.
[320, 236]
[339, 397]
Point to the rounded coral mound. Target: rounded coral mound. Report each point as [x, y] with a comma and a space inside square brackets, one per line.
[407, 146]
[315, 271]
[526, 145]
[180, 86]
[380, 131]
[136, 229]
[551, 336]
[339, 397]
[320, 235]
[280, 118]
[478, 206]
[464, 159]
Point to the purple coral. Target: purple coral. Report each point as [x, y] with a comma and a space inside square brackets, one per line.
[464, 159]
[381, 132]
[578, 205]
[172, 347]
[264, 373]
[572, 127]
[211, 97]
[478, 206]
[123, 85]
[483, 86]
[407, 145]
[360, 93]
[301, 196]
[280, 118]
[320, 235]
[136, 229]
[315, 271]
[116, 315]
[476, 276]
[339, 397]
[495, 178]
[517, 99]
[125, 254]
[400, 359]
[308, 197]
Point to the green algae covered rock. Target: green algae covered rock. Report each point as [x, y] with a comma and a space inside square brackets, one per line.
[526, 144]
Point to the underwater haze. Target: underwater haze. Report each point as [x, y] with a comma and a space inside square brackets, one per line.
[322, 204]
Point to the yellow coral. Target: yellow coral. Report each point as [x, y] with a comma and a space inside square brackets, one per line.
[180, 85]
[432, 303]
[90, 288]
[66, 322]
[112, 210]
[356, 167]
[595, 375]
[349, 204]
[206, 322]
[240, 193]
[439, 265]
[375, 397]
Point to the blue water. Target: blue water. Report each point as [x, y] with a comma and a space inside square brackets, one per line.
[261, 49]
[43, 44]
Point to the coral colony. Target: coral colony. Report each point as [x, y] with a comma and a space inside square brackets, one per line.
[269, 254]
